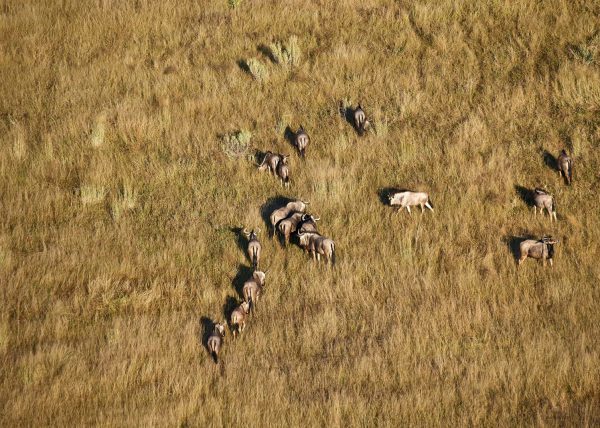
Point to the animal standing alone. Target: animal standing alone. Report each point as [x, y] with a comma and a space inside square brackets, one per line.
[407, 199]
[254, 248]
[542, 249]
[565, 166]
[239, 316]
[283, 172]
[215, 341]
[361, 123]
[252, 288]
[301, 141]
[541, 200]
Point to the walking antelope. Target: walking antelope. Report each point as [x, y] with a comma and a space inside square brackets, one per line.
[252, 288]
[407, 199]
[537, 249]
[308, 223]
[254, 247]
[541, 200]
[215, 341]
[318, 245]
[238, 317]
[361, 123]
[283, 172]
[301, 141]
[281, 213]
[270, 162]
[289, 225]
[565, 166]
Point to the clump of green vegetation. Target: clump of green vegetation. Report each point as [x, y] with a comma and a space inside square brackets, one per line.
[287, 54]
[587, 52]
[236, 145]
[234, 3]
[257, 69]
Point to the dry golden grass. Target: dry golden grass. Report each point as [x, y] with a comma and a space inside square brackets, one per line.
[117, 204]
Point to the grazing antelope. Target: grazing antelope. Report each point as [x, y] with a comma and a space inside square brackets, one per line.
[301, 141]
[565, 166]
[254, 247]
[270, 162]
[407, 199]
[283, 172]
[308, 223]
[281, 213]
[253, 288]
[289, 225]
[361, 123]
[318, 245]
[215, 341]
[537, 249]
[238, 317]
[541, 200]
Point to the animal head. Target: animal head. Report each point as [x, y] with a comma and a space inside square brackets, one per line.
[220, 328]
[549, 240]
[540, 191]
[284, 159]
[245, 307]
[563, 152]
[306, 217]
[260, 276]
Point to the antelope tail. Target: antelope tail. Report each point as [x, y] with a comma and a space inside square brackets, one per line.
[429, 200]
[254, 259]
[214, 356]
[332, 254]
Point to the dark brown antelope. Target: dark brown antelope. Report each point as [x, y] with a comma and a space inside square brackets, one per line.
[541, 200]
[565, 166]
[542, 249]
[361, 123]
[289, 225]
[308, 223]
[215, 341]
[283, 212]
[254, 247]
[252, 288]
[407, 199]
[283, 172]
[301, 141]
[238, 318]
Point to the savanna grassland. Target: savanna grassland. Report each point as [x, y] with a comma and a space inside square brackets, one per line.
[119, 202]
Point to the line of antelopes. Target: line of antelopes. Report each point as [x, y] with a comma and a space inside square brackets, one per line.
[293, 218]
[251, 290]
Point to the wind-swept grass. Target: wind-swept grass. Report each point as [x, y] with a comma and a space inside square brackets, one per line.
[120, 201]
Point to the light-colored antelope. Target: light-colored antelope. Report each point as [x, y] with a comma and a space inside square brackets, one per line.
[254, 247]
[537, 249]
[318, 245]
[308, 223]
[361, 123]
[238, 317]
[252, 288]
[270, 162]
[301, 141]
[541, 200]
[283, 212]
[565, 166]
[215, 341]
[283, 172]
[289, 225]
[407, 199]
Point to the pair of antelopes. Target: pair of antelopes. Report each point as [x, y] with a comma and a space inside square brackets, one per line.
[277, 163]
[251, 290]
[293, 218]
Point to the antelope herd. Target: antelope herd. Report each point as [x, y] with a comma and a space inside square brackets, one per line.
[292, 221]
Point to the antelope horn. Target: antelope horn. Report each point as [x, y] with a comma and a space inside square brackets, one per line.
[246, 232]
[316, 218]
[258, 230]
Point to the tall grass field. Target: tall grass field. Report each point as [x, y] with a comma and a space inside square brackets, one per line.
[129, 133]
